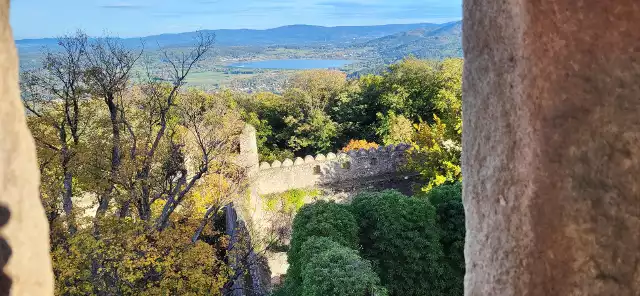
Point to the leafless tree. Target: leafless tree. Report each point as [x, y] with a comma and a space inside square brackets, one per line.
[109, 70]
[159, 100]
[53, 94]
[213, 135]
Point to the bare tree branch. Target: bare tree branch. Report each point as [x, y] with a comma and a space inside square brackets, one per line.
[110, 64]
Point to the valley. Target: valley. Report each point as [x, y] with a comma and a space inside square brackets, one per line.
[370, 47]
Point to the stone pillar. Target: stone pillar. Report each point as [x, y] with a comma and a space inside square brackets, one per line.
[552, 147]
[250, 216]
[249, 149]
[251, 210]
[24, 234]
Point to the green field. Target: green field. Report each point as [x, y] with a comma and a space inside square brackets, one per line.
[214, 78]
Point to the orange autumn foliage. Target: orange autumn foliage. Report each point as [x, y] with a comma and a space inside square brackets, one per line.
[359, 144]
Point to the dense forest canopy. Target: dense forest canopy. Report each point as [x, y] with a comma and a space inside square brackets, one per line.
[414, 102]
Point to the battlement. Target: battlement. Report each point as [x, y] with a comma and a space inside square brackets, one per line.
[313, 171]
[340, 156]
[341, 173]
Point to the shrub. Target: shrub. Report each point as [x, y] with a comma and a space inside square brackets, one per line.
[443, 193]
[323, 219]
[359, 144]
[314, 246]
[434, 156]
[339, 271]
[320, 219]
[400, 237]
[447, 200]
[290, 201]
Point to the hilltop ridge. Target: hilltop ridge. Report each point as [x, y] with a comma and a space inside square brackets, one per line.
[285, 35]
[442, 41]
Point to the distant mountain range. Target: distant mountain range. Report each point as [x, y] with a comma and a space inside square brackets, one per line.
[302, 35]
[375, 46]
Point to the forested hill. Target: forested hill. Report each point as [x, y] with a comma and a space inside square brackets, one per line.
[287, 35]
[373, 47]
[442, 41]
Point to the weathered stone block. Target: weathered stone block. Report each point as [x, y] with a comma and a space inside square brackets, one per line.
[287, 163]
[551, 158]
[265, 166]
[298, 161]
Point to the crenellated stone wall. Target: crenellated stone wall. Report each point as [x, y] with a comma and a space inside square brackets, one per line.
[329, 169]
[339, 176]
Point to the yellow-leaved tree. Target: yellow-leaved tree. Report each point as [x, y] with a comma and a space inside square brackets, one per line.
[134, 173]
[434, 156]
[437, 146]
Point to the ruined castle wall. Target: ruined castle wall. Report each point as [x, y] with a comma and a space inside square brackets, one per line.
[328, 169]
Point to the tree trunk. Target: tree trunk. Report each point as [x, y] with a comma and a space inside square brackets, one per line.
[67, 181]
[123, 212]
[115, 155]
[144, 201]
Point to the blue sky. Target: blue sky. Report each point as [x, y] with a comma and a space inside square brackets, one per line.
[131, 18]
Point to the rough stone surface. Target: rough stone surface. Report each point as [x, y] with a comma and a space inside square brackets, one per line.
[248, 217]
[279, 265]
[551, 158]
[249, 150]
[309, 159]
[287, 163]
[24, 233]
[309, 172]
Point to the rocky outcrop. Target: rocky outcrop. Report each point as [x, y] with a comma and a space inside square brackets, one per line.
[551, 158]
[24, 233]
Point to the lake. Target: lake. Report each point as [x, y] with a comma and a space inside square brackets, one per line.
[293, 64]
